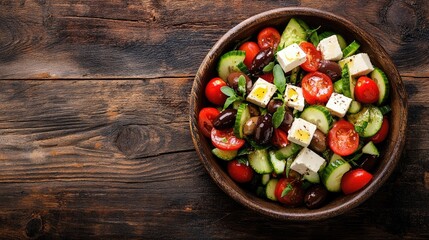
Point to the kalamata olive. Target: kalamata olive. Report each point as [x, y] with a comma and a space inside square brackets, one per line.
[315, 196]
[250, 126]
[233, 81]
[253, 110]
[273, 104]
[264, 129]
[287, 120]
[294, 174]
[225, 119]
[332, 69]
[262, 59]
[318, 142]
[369, 162]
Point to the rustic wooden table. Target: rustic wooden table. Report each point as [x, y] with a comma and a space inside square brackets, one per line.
[94, 136]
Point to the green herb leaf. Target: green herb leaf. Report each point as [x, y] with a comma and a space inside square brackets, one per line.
[244, 151]
[314, 38]
[243, 160]
[268, 68]
[242, 85]
[279, 78]
[228, 91]
[263, 111]
[278, 116]
[311, 31]
[287, 189]
[230, 101]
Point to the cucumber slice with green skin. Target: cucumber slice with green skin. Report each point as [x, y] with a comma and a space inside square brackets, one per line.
[228, 63]
[265, 178]
[350, 49]
[332, 174]
[243, 114]
[383, 85]
[349, 82]
[294, 75]
[293, 33]
[312, 177]
[341, 41]
[288, 151]
[375, 121]
[243, 68]
[360, 120]
[355, 107]
[278, 165]
[338, 86]
[371, 149]
[224, 154]
[259, 161]
[318, 115]
[270, 189]
[335, 157]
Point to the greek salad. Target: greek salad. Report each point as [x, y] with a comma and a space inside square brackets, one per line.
[297, 116]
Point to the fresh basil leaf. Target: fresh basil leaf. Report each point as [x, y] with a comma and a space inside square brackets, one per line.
[278, 116]
[287, 189]
[242, 85]
[311, 31]
[228, 91]
[229, 101]
[263, 111]
[268, 68]
[314, 38]
[279, 78]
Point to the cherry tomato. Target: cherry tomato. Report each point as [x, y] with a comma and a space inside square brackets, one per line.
[382, 133]
[317, 87]
[240, 172]
[269, 77]
[205, 120]
[268, 38]
[342, 138]
[226, 140]
[251, 49]
[366, 90]
[313, 57]
[213, 92]
[355, 180]
[280, 138]
[294, 196]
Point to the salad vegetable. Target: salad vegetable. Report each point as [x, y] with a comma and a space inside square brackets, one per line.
[297, 115]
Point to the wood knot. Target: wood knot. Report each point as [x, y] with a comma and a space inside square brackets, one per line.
[130, 140]
[34, 227]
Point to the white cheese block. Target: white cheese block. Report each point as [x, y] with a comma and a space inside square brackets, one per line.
[338, 104]
[359, 64]
[330, 48]
[291, 57]
[301, 132]
[294, 98]
[261, 93]
[307, 162]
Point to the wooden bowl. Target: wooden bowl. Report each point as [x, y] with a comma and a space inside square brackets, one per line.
[391, 150]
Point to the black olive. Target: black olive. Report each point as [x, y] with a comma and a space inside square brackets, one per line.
[264, 129]
[262, 59]
[225, 119]
[287, 120]
[273, 105]
[315, 196]
[332, 69]
[318, 142]
[233, 81]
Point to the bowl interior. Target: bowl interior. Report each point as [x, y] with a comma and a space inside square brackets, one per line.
[279, 18]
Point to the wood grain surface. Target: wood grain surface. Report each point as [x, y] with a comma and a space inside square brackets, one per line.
[94, 136]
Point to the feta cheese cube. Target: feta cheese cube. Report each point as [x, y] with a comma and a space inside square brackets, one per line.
[291, 57]
[301, 132]
[359, 64]
[338, 104]
[294, 98]
[330, 48]
[261, 93]
[307, 161]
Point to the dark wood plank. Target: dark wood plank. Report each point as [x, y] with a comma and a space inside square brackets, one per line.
[134, 39]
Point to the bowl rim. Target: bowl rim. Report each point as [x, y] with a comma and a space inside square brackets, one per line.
[241, 195]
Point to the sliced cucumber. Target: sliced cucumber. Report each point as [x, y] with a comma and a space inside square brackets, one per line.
[265, 178]
[338, 86]
[335, 157]
[288, 151]
[350, 49]
[293, 33]
[383, 85]
[243, 68]
[312, 177]
[259, 161]
[375, 121]
[225, 154]
[294, 75]
[355, 107]
[341, 41]
[360, 120]
[349, 82]
[332, 174]
[243, 115]
[371, 149]
[270, 190]
[278, 165]
[318, 115]
[228, 63]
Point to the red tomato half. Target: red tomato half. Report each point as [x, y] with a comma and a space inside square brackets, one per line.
[317, 88]
[294, 196]
[240, 172]
[355, 180]
[205, 120]
[313, 57]
[268, 38]
[280, 138]
[269, 77]
[213, 92]
[226, 140]
[382, 133]
[366, 90]
[251, 49]
[343, 139]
